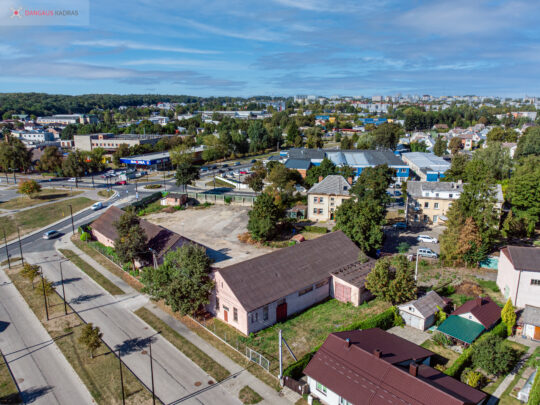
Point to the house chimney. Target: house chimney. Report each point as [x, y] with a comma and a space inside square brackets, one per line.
[377, 353]
[320, 178]
[348, 342]
[413, 369]
[349, 180]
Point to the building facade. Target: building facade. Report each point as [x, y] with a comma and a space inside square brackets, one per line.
[111, 142]
[518, 275]
[428, 202]
[326, 196]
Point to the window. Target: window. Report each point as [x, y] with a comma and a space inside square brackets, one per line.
[254, 317]
[343, 401]
[321, 199]
[265, 313]
[436, 206]
[426, 204]
[321, 283]
[235, 314]
[450, 195]
[416, 218]
[320, 210]
[535, 282]
[321, 388]
[435, 218]
[305, 290]
[315, 210]
[315, 199]
[436, 194]
[332, 199]
[217, 304]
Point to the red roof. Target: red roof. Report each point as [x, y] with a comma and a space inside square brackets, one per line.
[361, 376]
[484, 309]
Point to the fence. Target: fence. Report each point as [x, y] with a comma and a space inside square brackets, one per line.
[223, 199]
[300, 387]
[258, 358]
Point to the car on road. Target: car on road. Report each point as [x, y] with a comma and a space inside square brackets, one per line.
[253, 160]
[213, 167]
[400, 225]
[225, 165]
[237, 163]
[221, 171]
[204, 169]
[97, 206]
[427, 239]
[121, 183]
[72, 179]
[51, 234]
[243, 172]
[426, 252]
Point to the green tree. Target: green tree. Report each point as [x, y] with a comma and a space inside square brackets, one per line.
[493, 355]
[418, 146]
[529, 143]
[121, 151]
[314, 138]
[45, 286]
[441, 316]
[496, 159]
[346, 143]
[183, 279]
[508, 316]
[186, 171]
[264, 218]
[292, 133]
[373, 182]
[387, 135]
[455, 145]
[74, 165]
[29, 187]
[30, 272]
[131, 242]
[91, 338]
[51, 160]
[457, 168]
[326, 168]
[440, 146]
[392, 280]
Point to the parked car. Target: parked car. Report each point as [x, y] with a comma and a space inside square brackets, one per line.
[400, 225]
[243, 172]
[221, 171]
[204, 169]
[51, 234]
[237, 163]
[213, 167]
[426, 252]
[225, 165]
[72, 179]
[121, 183]
[97, 206]
[397, 193]
[427, 239]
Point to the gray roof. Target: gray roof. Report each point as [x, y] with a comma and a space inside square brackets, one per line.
[427, 161]
[523, 257]
[334, 184]
[427, 305]
[355, 273]
[302, 164]
[415, 188]
[304, 153]
[530, 316]
[356, 158]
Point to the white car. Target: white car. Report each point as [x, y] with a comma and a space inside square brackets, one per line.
[97, 206]
[427, 239]
[51, 234]
[426, 252]
[73, 179]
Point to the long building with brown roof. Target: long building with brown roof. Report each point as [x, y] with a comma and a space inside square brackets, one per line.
[374, 367]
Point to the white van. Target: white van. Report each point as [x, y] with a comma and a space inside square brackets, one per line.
[426, 252]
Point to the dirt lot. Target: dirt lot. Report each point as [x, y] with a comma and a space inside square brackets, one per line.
[217, 227]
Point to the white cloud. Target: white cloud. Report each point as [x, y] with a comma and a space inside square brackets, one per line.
[109, 43]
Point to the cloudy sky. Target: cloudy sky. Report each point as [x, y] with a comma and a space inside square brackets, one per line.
[273, 47]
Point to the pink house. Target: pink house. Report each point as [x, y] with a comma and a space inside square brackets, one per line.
[257, 293]
[519, 275]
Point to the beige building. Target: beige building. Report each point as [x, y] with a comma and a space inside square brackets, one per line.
[66, 119]
[428, 202]
[518, 275]
[111, 142]
[325, 196]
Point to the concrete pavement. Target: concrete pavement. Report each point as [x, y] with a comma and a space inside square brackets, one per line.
[43, 374]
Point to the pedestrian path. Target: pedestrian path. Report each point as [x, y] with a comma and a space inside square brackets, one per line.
[241, 376]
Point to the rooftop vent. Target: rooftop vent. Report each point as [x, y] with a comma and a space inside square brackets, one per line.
[377, 353]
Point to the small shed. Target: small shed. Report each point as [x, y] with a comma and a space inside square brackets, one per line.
[174, 199]
[297, 212]
[529, 321]
[462, 329]
[421, 313]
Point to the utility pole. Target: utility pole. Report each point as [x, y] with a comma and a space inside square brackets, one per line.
[416, 268]
[121, 377]
[44, 294]
[280, 356]
[20, 245]
[164, 184]
[93, 186]
[7, 252]
[72, 225]
[152, 376]
[63, 290]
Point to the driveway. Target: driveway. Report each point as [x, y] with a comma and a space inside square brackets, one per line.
[216, 227]
[393, 237]
[411, 334]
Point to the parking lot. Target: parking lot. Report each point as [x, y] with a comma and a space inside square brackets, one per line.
[396, 236]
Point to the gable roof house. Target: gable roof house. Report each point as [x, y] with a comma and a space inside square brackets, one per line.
[326, 196]
[518, 275]
[373, 366]
[160, 240]
[471, 319]
[421, 313]
[256, 293]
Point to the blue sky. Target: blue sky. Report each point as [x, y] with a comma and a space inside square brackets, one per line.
[276, 47]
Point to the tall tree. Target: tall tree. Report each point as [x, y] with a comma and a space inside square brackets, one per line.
[440, 146]
[508, 316]
[455, 145]
[314, 173]
[387, 135]
[51, 160]
[529, 143]
[131, 243]
[91, 338]
[392, 280]
[264, 218]
[75, 165]
[292, 133]
[186, 171]
[29, 187]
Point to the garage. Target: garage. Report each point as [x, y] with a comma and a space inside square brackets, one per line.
[342, 292]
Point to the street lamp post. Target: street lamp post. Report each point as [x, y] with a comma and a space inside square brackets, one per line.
[63, 290]
[152, 375]
[416, 268]
[121, 377]
[20, 245]
[7, 251]
[44, 294]
[72, 224]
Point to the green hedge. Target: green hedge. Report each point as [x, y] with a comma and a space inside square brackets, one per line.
[534, 395]
[147, 200]
[315, 229]
[384, 320]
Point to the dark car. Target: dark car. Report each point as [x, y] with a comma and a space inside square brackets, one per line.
[237, 163]
[225, 165]
[400, 225]
[397, 193]
[253, 160]
[221, 171]
[213, 167]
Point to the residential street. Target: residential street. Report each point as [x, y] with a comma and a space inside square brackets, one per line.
[42, 372]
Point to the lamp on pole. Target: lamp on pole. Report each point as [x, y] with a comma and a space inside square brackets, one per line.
[121, 377]
[416, 268]
[63, 290]
[44, 294]
[72, 225]
[152, 375]
[7, 252]
[20, 245]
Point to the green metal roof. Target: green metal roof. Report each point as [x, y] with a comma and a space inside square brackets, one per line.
[460, 328]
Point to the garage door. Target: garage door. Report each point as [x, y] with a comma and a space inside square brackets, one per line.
[342, 293]
[411, 320]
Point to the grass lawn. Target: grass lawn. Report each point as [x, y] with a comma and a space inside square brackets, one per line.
[45, 195]
[248, 396]
[100, 374]
[303, 332]
[93, 273]
[8, 389]
[219, 183]
[443, 355]
[507, 398]
[105, 193]
[39, 217]
[108, 264]
[185, 346]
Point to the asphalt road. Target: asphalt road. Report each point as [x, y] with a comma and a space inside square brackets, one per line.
[43, 374]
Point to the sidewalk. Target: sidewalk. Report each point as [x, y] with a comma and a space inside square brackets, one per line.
[240, 376]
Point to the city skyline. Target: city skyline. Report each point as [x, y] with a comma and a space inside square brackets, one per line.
[279, 48]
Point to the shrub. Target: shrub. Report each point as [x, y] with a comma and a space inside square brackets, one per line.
[472, 378]
[228, 199]
[398, 320]
[461, 362]
[85, 236]
[534, 395]
[315, 229]
[152, 186]
[493, 355]
[441, 339]
[403, 247]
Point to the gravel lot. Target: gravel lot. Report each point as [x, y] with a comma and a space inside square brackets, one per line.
[217, 227]
[395, 236]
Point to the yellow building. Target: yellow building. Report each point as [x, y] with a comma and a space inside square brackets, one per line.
[325, 196]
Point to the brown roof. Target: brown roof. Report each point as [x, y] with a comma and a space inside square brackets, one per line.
[523, 257]
[159, 239]
[265, 279]
[483, 309]
[355, 273]
[356, 373]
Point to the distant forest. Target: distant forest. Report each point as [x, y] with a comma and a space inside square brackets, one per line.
[42, 104]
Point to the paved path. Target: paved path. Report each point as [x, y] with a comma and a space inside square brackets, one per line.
[42, 372]
[411, 334]
[177, 378]
[242, 376]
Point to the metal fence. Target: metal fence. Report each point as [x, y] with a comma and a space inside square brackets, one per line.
[223, 198]
[258, 358]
